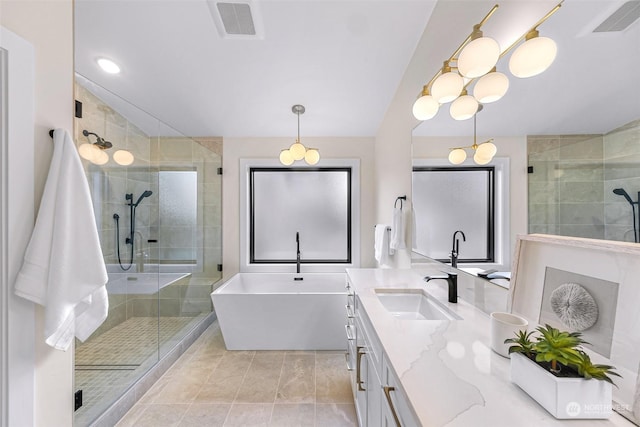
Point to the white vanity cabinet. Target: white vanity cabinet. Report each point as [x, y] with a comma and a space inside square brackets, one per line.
[370, 375]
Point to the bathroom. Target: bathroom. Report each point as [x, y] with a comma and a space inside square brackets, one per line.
[384, 153]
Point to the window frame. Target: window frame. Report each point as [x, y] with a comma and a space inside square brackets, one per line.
[253, 170]
[310, 266]
[490, 207]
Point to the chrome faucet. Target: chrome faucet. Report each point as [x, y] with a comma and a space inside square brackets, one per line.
[455, 247]
[452, 281]
[297, 252]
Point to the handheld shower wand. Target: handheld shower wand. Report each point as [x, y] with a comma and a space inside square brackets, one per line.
[130, 240]
[622, 192]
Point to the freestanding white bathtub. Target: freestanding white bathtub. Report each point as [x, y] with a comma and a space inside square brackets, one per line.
[272, 311]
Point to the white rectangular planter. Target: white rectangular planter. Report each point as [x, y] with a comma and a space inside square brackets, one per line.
[564, 398]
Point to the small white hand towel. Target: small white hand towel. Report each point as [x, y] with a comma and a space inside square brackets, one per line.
[381, 244]
[63, 267]
[397, 231]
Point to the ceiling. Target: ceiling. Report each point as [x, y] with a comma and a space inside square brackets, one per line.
[344, 61]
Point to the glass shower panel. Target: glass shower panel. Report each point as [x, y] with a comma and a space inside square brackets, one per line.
[159, 221]
[189, 250]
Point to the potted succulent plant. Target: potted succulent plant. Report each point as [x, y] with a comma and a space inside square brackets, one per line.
[554, 370]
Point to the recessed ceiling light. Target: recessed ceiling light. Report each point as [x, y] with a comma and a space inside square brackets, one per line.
[108, 66]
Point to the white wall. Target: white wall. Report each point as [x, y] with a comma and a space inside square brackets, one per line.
[235, 149]
[515, 148]
[48, 26]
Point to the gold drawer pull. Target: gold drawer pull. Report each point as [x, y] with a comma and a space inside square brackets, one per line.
[360, 353]
[387, 389]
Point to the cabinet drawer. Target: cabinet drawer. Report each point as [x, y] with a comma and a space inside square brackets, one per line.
[395, 403]
[373, 344]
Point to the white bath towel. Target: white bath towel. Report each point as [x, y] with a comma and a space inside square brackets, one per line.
[397, 231]
[381, 244]
[63, 268]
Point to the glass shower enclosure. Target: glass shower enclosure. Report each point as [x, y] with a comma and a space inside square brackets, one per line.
[157, 202]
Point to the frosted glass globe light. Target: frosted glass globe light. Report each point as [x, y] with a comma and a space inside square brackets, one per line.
[533, 56]
[447, 87]
[123, 157]
[86, 151]
[425, 107]
[464, 107]
[297, 150]
[101, 158]
[478, 57]
[486, 150]
[491, 87]
[457, 156]
[481, 160]
[286, 158]
[312, 156]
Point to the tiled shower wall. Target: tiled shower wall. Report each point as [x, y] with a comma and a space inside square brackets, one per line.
[570, 188]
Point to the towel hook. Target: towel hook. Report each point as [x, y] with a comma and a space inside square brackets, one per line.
[401, 198]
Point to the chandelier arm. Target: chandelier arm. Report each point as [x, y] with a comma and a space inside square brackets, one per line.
[475, 28]
[537, 24]
[464, 43]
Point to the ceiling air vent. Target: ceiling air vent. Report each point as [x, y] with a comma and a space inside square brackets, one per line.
[622, 18]
[236, 19]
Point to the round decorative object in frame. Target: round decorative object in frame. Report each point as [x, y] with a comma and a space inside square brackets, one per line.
[575, 306]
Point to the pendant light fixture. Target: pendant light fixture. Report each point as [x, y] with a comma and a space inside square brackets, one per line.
[475, 60]
[297, 151]
[482, 153]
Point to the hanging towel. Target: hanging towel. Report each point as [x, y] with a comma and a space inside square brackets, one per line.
[63, 268]
[381, 244]
[397, 231]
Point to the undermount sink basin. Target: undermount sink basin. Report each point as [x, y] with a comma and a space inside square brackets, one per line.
[414, 304]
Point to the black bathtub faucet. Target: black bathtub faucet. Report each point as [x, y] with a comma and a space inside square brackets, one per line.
[297, 256]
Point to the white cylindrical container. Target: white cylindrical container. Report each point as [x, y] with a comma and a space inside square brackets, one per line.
[503, 326]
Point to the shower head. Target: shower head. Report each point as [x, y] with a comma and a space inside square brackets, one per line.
[142, 196]
[622, 192]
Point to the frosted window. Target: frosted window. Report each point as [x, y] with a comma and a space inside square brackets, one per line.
[313, 202]
[179, 214]
[449, 199]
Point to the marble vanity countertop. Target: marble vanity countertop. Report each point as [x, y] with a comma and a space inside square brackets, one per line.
[447, 369]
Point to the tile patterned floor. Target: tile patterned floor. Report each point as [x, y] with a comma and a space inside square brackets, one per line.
[109, 363]
[210, 386]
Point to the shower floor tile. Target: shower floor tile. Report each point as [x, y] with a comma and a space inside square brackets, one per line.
[240, 388]
[108, 364]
